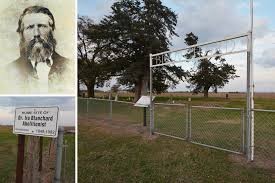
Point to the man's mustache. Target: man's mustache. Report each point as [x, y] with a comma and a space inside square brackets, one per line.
[44, 43]
[38, 45]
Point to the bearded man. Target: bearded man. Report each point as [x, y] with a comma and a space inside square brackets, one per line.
[39, 69]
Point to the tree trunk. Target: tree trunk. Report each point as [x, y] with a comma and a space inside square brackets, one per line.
[141, 88]
[205, 92]
[145, 84]
[78, 88]
[138, 87]
[91, 89]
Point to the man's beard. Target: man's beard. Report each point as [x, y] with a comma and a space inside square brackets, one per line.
[38, 49]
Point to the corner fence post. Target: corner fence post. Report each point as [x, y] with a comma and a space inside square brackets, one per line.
[250, 91]
[57, 177]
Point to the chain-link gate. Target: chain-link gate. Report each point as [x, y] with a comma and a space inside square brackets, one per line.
[215, 127]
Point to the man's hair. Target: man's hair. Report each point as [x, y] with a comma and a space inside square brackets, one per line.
[35, 9]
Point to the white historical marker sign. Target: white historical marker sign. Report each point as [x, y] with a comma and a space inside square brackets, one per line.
[36, 121]
[143, 101]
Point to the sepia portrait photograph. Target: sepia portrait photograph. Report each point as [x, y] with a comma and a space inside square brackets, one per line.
[38, 47]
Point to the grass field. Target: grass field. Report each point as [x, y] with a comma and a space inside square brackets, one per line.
[122, 151]
[8, 153]
[216, 127]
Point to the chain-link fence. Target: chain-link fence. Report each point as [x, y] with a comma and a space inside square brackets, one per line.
[68, 158]
[215, 127]
[265, 136]
[111, 110]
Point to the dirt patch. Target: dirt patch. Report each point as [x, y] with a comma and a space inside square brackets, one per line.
[117, 127]
[257, 163]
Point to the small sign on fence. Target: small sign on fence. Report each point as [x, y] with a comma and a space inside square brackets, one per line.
[143, 101]
[36, 121]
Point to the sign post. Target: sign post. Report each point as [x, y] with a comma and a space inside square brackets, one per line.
[144, 102]
[33, 121]
[20, 159]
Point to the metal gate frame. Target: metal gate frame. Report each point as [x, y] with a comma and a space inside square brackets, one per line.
[249, 83]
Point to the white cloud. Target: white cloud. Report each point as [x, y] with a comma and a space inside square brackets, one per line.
[264, 50]
[101, 8]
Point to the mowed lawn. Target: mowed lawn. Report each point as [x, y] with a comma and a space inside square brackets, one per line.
[121, 152]
[8, 155]
[8, 150]
[223, 128]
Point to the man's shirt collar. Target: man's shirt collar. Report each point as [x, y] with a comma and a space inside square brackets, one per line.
[33, 62]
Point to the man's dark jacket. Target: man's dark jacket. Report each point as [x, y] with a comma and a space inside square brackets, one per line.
[21, 70]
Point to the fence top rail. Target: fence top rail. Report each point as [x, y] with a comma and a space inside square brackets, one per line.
[209, 107]
[107, 100]
[125, 102]
[263, 110]
[96, 99]
[170, 104]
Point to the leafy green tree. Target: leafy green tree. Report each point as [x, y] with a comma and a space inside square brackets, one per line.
[211, 72]
[93, 68]
[133, 30]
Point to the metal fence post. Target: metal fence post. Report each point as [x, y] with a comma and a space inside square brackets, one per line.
[243, 131]
[151, 98]
[111, 110]
[153, 116]
[250, 91]
[190, 123]
[65, 159]
[57, 177]
[87, 106]
[187, 122]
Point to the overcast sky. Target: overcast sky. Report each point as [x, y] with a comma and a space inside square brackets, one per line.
[65, 104]
[216, 19]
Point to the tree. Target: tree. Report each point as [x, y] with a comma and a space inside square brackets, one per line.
[211, 72]
[135, 29]
[93, 70]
